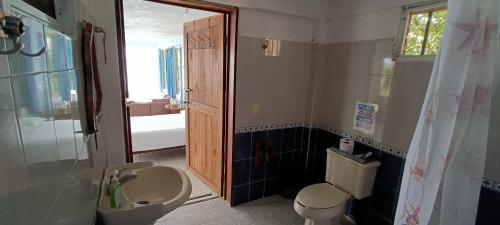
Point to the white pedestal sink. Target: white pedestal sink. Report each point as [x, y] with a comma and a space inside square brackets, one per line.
[152, 192]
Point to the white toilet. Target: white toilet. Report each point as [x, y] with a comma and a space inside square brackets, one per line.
[325, 203]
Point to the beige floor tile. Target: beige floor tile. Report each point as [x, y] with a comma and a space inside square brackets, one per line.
[273, 210]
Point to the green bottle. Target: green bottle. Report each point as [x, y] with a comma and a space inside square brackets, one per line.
[115, 192]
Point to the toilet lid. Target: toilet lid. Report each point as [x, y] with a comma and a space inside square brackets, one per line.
[321, 196]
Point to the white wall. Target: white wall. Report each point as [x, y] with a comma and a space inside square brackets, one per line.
[364, 26]
[356, 20]
[267, 24]
[290, 20]
[110, 79]
[305, 8]
[171, 42]
[143, 71]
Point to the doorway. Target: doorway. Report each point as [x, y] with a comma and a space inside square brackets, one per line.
[178, 101]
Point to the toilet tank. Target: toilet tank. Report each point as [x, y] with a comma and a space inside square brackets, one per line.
[352, 177]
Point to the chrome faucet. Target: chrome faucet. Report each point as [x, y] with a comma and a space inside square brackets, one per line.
[125, 175]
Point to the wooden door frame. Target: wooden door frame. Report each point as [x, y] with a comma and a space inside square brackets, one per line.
[229, 81]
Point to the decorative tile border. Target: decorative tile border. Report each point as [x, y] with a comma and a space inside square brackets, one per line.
[491, 184]
[342, 133]
[269, 127]
[376, 145]
[487, 183]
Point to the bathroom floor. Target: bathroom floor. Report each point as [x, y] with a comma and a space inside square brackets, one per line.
[212, 210]
[175, 158]
[274, 210]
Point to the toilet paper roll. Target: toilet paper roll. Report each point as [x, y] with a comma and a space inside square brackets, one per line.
[346, 145]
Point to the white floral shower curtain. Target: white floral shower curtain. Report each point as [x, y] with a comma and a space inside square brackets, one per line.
[445, 163]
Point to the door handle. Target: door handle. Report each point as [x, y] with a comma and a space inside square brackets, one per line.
[188, 90]
[186, 102]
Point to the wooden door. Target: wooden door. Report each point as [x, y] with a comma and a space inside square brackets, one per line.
[204, 63]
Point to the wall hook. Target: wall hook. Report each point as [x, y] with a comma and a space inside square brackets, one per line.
[208, 39]
[102, 31]
[39, 53]
[13, 28]
[17, 46]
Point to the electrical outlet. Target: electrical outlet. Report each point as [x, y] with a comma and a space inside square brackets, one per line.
[255, 108]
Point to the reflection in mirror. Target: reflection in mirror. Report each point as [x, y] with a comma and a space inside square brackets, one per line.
[76, 91]
[35, 118]
[11, 161]
[61, 107]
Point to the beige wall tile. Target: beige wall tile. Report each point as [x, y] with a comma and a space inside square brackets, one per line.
[413, 67]
[379, 126]
[279, 84]
[397, 129]
[334, 89]
[363, 57]
[380, 90]
[404, 94]
[340, 57]
[357, 87]
[382, 59]
[321, 83]
[423, 84]
[347, 116]
[364, 71]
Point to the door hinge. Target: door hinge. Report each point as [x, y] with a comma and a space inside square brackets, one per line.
[226, 40]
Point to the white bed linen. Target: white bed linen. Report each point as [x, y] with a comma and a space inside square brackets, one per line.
[157, 132]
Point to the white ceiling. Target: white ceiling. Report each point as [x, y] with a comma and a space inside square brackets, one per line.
[152, 22]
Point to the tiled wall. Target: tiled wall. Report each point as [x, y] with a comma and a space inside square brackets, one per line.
[272, 159]
[267, 161]
[358, 71]
[282, 88]
[364, 72]
[46, 174]
[279, 84]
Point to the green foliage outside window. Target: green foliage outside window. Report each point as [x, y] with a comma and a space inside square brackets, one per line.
[424, 32]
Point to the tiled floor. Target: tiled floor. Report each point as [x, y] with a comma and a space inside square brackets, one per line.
[274, 210]
[175, 158]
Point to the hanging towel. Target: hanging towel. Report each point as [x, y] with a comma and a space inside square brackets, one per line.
[92, 83]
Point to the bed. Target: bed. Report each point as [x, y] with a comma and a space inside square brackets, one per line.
[158, 132]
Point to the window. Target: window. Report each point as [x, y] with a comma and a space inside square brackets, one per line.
[424, 27]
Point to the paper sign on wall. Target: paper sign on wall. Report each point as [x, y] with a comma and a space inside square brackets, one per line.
[365, 117]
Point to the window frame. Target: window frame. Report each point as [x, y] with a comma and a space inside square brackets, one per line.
[404, 28]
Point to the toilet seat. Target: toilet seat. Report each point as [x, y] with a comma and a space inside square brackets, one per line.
[321, 196]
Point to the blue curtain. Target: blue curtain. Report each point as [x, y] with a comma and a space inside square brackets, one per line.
[161, 57]
[181, 74]
[171, 70]
[171, 77]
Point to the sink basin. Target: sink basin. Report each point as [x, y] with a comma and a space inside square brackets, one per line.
[154, 192]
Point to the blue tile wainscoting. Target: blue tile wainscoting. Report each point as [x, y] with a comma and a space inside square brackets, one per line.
[272, 159]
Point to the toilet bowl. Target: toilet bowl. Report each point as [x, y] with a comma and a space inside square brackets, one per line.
[321, 204]
[325, 203]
